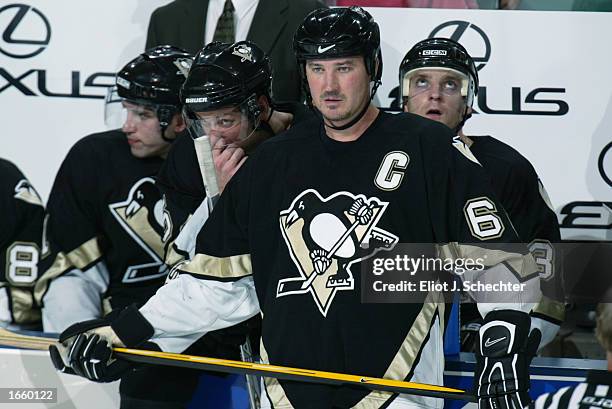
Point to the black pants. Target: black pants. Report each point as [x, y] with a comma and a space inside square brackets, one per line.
[163, 387]
[158, 387]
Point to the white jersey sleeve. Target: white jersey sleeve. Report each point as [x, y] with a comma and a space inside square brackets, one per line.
[74, 297]
[186, 308]
[5, 312]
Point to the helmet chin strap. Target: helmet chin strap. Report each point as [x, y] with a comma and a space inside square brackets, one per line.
[350, 123]
[164, 116]
[163, 134]
[466, 116]
[358, 117]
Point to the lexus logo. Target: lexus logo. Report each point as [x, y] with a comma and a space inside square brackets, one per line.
[25, 31]
[604, 164]
[472, 37]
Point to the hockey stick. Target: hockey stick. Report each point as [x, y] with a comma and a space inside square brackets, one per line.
[290, 374]
[203, 150]
[10, 338]
[14, 339]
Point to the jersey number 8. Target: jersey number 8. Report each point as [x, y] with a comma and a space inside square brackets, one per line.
[22, 263]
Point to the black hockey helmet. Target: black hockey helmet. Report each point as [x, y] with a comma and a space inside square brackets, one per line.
[224, 75]
[154, 79]
[440, 53]
[339, 32]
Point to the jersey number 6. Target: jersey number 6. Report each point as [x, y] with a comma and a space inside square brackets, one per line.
[482, 219]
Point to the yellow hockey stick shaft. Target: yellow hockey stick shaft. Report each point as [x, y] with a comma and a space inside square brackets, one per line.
[9, 338]
[289, 373]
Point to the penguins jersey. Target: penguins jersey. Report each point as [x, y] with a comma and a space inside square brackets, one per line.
[182, 188]
[289, 236]
[519, 189]
[106, 228]
[516, 184]
[21, 232]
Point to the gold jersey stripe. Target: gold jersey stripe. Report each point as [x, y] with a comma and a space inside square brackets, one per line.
[404, 359]
[273, 388]
[24, 310]
[219, 267]
[80, 257]
[523, 264]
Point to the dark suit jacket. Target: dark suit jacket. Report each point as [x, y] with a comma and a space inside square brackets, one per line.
[182, 24]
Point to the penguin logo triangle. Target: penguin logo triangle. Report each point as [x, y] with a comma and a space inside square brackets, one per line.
[326, 237]
[26, 192]
[144, 218]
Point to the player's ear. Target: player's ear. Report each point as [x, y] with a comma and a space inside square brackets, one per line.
[264, 106]
[178, 123]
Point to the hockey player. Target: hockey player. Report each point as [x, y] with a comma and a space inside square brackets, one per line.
[439, 81]
[227, 96]
[325, 196]
[21, 233]
[106, 224]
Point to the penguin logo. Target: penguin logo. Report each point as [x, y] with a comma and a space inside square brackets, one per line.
[183, 65]
[325, 237]
[244, 52]
[26, 192]
[143, 217]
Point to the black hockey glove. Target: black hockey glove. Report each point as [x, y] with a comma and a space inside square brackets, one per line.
[504, 352]
[86, 347]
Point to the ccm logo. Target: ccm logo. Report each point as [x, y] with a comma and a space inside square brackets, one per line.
[434, 52]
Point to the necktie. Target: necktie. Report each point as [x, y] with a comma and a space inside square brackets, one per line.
[225, 25]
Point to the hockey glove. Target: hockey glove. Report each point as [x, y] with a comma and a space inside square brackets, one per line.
[504, 352]
[86, 347]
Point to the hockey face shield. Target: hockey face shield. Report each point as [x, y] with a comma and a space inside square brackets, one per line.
[231, 125]
[137, 113]
[450, 83]
[114, 115]
[133, 94]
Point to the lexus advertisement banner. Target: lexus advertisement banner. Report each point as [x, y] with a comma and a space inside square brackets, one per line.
[543, 87]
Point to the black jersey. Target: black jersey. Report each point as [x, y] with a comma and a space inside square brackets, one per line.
[180, 179]
[20, 242]
[105, 206]
[305, 212]
[596, 392]
[519, 189]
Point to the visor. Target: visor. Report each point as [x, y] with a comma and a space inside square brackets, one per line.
[415, 82]
[137, 113]
[114, 113]
[229, 126]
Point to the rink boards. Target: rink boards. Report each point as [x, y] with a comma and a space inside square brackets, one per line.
[33, 369]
